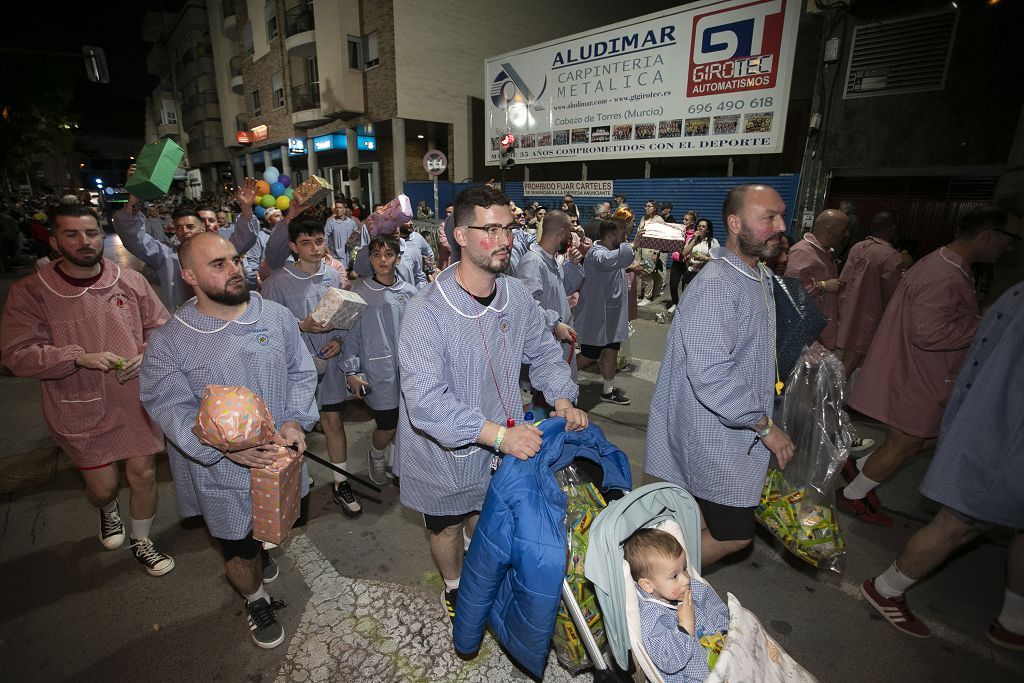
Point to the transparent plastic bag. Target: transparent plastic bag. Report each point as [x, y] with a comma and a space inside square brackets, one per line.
[584, 502]
[797, 503]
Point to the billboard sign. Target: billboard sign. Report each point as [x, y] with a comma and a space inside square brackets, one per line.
[709, 78]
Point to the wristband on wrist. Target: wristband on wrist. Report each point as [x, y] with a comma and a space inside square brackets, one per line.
[767, 430]
[498, 439]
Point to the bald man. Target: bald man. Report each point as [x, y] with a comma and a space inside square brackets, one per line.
[811, 262]
[228, 336]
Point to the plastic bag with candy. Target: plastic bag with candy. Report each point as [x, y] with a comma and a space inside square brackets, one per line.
[233, 419]
[384, 221]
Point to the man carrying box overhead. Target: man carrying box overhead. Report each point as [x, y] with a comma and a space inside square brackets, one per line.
[228, 336]
[130, 226]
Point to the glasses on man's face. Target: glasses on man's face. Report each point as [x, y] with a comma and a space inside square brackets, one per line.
[495, 231]
[1014, 237]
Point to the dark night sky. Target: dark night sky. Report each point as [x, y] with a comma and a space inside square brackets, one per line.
[116, 108]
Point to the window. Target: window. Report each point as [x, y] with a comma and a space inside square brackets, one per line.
[370, 52]
[277, 90]
[270, 12]
[312, 71]
[255, 98]
[355, 53]
[167, 113]
[247, 38]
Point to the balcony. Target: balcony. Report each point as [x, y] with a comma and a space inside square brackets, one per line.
[230, 18]
[200, 107]
[306, 112]
[235, 69]
[299, 27]
[164, 130]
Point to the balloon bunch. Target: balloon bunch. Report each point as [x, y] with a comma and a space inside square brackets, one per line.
[274, 191]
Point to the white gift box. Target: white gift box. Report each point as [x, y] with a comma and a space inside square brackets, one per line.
[339, 308]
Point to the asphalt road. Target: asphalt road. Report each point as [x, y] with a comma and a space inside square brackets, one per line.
[363, 595]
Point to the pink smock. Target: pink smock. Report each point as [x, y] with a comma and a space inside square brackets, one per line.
[48, 323]
[872, 273]
[920, 345]
[810, 262]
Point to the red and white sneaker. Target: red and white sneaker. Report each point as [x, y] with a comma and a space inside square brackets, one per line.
[1004, 637]
[861, 509]
[895, 610]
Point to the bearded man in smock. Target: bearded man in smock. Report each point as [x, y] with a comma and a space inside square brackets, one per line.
[79, 324]
[229, 336]
[463, 340]
[710, 429]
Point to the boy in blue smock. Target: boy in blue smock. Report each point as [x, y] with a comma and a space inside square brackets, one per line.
[299, 286]
[681, 618]
[371, 346]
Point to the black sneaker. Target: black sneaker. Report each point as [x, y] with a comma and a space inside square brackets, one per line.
[270, 569]
[346, 500]
[111, 528]
[155, 562]
[616, 396]
[448, 600]
[264, 627]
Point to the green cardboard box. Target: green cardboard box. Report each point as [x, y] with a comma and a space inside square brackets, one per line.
[154, 170]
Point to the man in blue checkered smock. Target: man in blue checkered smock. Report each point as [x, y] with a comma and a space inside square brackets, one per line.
[230, 337]
[709, 429]
[463, 340]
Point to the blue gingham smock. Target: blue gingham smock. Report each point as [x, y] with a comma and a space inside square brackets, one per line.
[717, 379]
[261, 351]
[978, 468]
[679, 656]
[551, 286]
[409, 266]
[602, 315]
[448, 390]
[371, 346]
[300, 292]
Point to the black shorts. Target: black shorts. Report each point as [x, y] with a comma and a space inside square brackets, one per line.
[243, 548]
[386, 419]
[594, 352]
[727, 523]
[331, 407]
[437, 523]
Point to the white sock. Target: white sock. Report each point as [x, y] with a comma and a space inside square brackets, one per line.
[338, 476]
[110, 507]
[451, 584]
[465, 541]
[893, 583]
[1012, 616]
[609, 386]
[390, 458]
[142, 527]
[382, 453]
[859, 487]
[261, 593]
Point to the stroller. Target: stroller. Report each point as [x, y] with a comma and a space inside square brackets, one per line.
[749, 652]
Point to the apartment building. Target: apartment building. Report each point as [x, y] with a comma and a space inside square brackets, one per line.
[357, 91]
[185, 104]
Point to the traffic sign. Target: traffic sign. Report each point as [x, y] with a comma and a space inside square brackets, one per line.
[435, 163]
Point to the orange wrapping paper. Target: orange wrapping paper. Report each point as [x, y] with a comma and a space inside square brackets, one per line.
[233, 419]
[276, 490]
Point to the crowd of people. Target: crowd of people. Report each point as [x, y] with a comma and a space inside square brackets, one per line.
[513, 297]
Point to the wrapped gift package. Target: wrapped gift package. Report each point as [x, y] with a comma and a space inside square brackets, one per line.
[233, 419]
[314, 189]
[338, 307]
[154, 170]
[396, 212]
[276, 490]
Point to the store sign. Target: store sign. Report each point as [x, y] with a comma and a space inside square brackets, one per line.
[710, 78]
[243, 137]
[260, 133]
[331, 141]
[560, 188]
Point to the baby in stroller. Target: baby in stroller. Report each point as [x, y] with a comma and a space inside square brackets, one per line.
[682, 619]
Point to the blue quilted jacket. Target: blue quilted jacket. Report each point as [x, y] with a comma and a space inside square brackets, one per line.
[512, 575]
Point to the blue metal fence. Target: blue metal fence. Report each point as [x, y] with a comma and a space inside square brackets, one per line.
[702, 195]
